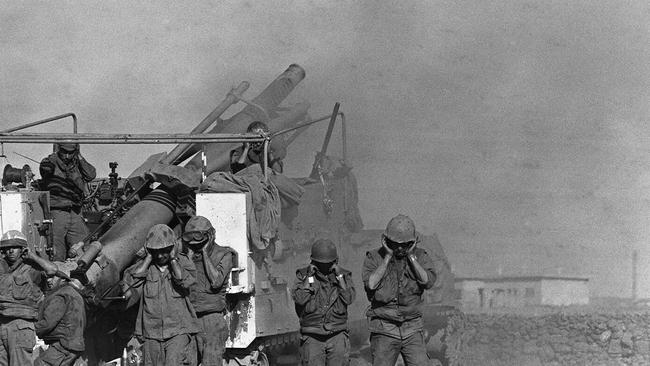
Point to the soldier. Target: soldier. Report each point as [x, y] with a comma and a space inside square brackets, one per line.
[21, 278]
[208, 295]
[65, 174]
[166, 321]
[394, 277]
[322, 293]
[252, 153]
[61, 324]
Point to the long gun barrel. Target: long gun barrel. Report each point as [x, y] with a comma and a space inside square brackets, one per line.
[123, 240]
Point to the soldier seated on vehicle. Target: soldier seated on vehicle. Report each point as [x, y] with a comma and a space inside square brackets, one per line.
[208, 295]
[322, 293]
[22, 276]
[166, 321]
[65, 174]
[61, 324]
[395, 277]
[253, 153]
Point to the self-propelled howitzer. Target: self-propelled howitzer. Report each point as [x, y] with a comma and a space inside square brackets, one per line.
[263, 324]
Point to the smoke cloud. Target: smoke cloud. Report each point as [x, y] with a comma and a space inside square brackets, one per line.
[516, 130]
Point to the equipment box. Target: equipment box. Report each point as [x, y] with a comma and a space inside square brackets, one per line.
[26, 211]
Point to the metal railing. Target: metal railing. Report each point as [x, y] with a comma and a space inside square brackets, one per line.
[128, 138]
[44, 121]
[164, 138]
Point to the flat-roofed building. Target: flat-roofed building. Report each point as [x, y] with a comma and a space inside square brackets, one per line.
[517, 291]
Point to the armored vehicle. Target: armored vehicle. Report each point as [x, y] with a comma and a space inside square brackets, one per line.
[170, 187]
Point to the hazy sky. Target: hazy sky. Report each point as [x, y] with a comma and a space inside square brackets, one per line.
[518, 131]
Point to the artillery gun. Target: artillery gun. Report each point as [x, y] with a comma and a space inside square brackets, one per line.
[263, 326]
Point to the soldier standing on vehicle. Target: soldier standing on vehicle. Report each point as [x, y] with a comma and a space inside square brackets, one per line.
[208, 295]
[395, 277]
[21, 278]
[253, 153]
[61, 323]
[166, 321]
[65, 174]
[322, 293]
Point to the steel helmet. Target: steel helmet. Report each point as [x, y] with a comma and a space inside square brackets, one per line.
[160, 236]
[197, 229]
[323, 251]
[400, 229]
[198, 223]
[68, 146]
[258, 127]
[13, 238]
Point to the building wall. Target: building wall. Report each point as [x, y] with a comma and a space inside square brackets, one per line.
[481, 294]
[513, 293]
[468, 292]
[564, 292]
[476, 293]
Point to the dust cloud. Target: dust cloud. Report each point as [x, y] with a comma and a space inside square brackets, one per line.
[516, 130]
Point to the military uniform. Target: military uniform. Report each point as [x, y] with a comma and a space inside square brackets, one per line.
[274, 159]
[322, 307]
[20, 296]
[166, 320]
[67, 185]
[395, 318]
[210, 304]
[61, 324]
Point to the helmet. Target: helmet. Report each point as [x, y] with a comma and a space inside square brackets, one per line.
[68, 147]
[400, 229]
[259, 127]
[160, 236]
[13, 238]
[323, 251]
[197, 229]
[198, 223]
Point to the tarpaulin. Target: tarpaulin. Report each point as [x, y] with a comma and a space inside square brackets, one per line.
[264, 203]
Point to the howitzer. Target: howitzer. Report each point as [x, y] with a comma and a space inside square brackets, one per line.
[121, 242]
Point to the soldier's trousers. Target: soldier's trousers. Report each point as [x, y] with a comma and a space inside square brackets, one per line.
[68, 228]
[175, 351]
[325, 350]
[385, 350]
[56, 355]
[211, 339]
[18, 340]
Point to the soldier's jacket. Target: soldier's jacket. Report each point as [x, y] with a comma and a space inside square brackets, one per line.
[205, 298]
[322, 306]
[20, 290]
[62, 318]
[66, 182]
[165, 309]
[276, 154]
[398, 295]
